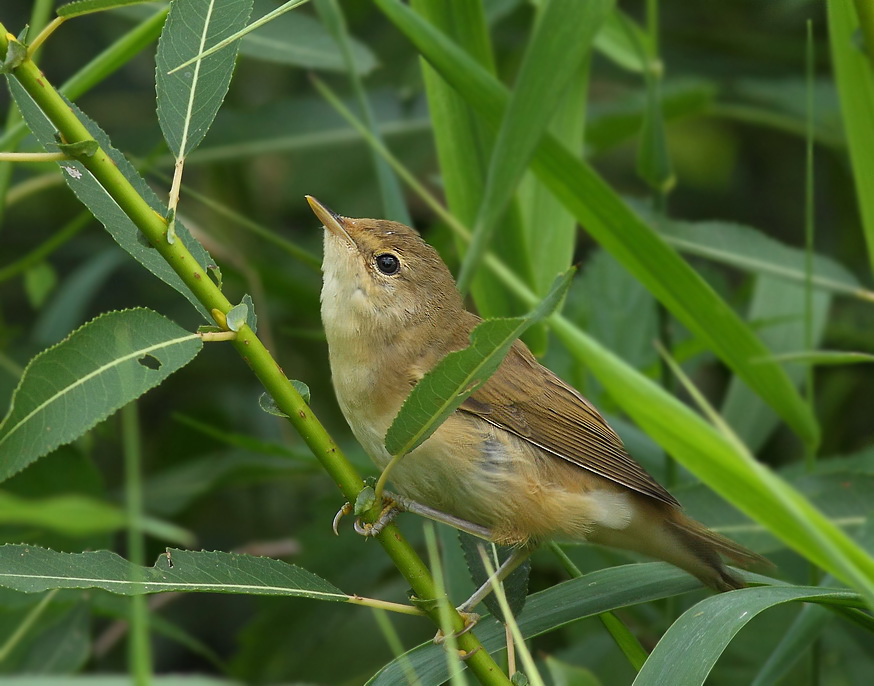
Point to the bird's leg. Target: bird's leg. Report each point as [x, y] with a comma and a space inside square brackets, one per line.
[516, 558]
[393, 504]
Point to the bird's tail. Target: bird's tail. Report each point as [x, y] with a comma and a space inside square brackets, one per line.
[706, 547]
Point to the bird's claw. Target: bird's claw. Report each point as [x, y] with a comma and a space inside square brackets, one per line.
[391, 507]
[470, 620]
[342, 512]
[390, 510]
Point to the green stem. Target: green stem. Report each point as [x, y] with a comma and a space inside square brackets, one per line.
[627, 641]
[809, 226]
[39, 17]
[252, 350]
[139, 650]
[397, 647]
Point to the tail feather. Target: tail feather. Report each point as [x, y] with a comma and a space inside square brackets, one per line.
[707, 546]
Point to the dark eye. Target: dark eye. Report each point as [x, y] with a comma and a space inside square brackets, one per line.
[388, 264]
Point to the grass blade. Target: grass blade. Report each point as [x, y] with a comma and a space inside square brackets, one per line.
[855, 80]
[560, 40]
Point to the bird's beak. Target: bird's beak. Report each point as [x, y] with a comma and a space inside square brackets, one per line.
[332, 221]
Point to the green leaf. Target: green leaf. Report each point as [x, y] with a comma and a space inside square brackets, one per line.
[69, 388]
[515, 585]
[439, 393]
[237, 316]
[795, 643]
[189, 98]
[711, 624]
[39, 281]
[16, 53]
[101, 204]
[550, 229]
[77, 9]
[545, 611]
[782, 302]
[618, 39]
[751, 250]
[609, 220]
[298, 40]
[464, 143]
[561, 39]
[365, 500]
[78, 150]
[31, 569]
[393, 204]
[79, 515]
[564, 674]
[855, 81]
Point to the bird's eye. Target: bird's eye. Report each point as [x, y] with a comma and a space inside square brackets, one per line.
[388, 264]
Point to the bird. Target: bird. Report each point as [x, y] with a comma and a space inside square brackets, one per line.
[526, 458]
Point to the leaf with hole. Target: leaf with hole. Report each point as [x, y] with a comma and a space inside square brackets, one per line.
[69, 388]
[31, 569]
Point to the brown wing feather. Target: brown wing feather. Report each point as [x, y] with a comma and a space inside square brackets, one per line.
[528, 400]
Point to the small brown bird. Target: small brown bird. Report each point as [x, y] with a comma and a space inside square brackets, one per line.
[526, 458]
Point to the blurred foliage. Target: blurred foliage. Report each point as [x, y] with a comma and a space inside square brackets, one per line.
[217, 466]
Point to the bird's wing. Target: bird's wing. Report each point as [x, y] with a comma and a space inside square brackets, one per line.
[528, 400]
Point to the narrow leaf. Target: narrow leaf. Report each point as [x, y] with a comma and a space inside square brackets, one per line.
[101, 204]
[32, 569]
[69, 388]
[439, 393]
[618, 40]
[77, 9]
[464, 143]
[228, 40]
[609, 220]
[711, 624]
[298, 40]
[189, 99]
[561, 39]
[393, 204]
[751, 250]
[855, 80]
[78, 515]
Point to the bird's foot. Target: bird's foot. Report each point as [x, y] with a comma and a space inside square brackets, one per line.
[470, 620]
[390, 509]
[391, 506]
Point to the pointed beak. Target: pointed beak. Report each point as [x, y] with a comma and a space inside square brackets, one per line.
[332, 221]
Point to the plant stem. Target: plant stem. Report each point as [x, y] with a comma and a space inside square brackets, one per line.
[139, 650]
[39, 17]
[33, 156]
[251, 349]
